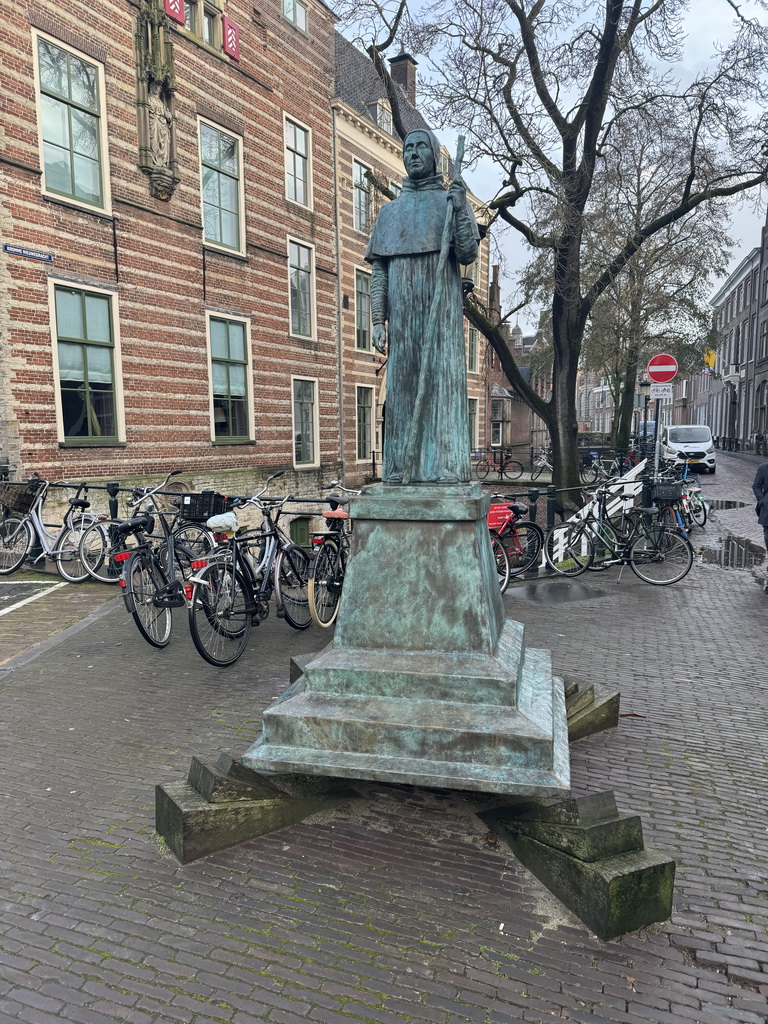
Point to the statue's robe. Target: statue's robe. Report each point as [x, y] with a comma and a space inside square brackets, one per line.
[404, 251]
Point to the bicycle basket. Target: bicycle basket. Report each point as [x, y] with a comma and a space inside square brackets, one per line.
[667, 493]
[16, 498]
[198, 508]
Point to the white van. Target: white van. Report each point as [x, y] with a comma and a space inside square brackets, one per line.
[694, 441]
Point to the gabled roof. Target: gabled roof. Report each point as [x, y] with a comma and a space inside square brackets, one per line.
[358, 85]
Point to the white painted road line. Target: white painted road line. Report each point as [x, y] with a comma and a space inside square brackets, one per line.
[34, 597]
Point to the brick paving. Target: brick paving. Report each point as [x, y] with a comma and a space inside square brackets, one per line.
[395, 909]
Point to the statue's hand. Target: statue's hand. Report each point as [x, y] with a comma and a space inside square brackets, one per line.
[380, 338]
[458, 194]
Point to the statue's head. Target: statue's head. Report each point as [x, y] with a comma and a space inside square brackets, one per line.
[421, 152]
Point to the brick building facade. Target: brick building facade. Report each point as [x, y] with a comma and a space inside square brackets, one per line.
[181, 280]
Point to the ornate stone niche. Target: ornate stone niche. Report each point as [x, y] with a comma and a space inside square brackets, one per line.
[155, 87]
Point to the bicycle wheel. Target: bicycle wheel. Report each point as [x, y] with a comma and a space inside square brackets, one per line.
[661, 556]
[325, 581]
[606, 546]
[194, 538]
[292, 585]
[536, 470]
[221, 613]
[15, 541]
[523, 544]
[501, 560]
[97, 546]
[144, 578]
[482, 469]
[589, 474]
[568, 548]
[698, 510]
[66, 551]
[513, 470]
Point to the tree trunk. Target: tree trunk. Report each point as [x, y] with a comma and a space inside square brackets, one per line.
[627, 401]
[566, 343]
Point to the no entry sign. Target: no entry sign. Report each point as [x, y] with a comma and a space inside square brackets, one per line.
[662, 368]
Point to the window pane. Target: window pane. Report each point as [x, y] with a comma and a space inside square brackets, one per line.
[237, 380]
[289, 10]
[87, 178]
[69, 314]
[237, 341]
[230, 233]
[228, 192]
[71, 364]
[228, 153]
[209, 29]
[53, 67]
[301, 15]
[220, 379]
[210, 186]
[83, 83]
[211, 222]
[239, 419]
[85, 138]
[209, 144]
[219, 346]
[102, 411]
[58, 169]
[97, 318]
[55, 122]
[74, 413]
[99, 364]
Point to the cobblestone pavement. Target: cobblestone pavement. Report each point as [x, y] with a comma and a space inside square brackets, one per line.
[395, 909]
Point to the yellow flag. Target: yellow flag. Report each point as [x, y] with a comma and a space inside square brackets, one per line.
[709, 358]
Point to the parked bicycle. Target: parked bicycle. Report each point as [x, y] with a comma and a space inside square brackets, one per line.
[542, 461]
[654, 552]
[22, 524]
[155, 571]
[500, 462]
[326, 577]
[232, 584]
[104, 544]
[522, 541]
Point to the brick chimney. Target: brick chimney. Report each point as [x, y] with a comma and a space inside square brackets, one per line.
[403, 71]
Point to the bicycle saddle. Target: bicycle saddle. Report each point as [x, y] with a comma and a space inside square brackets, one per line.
[518, 508]
[142, 522]
[79, 503]
[335, 500]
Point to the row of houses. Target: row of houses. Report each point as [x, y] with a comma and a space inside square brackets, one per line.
[188, 187]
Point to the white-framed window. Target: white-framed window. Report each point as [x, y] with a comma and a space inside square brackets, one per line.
[363, 311]
[229, 352]
[442, 163]
[472, 361]
[384, 116]
[301, 288]
[361, 197]
[365, 421]
[86, 364]
[296, 12]
[305, 421]
[495, 433]
[72, 121]
[221, 174]
[298, 149]
[203, 20]
[473, 422]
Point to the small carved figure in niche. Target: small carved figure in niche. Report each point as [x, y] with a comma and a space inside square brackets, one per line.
[159, 126]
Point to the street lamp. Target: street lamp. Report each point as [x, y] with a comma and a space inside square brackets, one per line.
[645, 390]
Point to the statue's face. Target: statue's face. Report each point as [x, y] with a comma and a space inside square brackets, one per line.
[418, 157]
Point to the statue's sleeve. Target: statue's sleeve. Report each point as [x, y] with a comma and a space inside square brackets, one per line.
[379, 290]
[465, 235]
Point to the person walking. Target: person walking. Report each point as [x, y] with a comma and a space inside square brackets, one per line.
[760, 491]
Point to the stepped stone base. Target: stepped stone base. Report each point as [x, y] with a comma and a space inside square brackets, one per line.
[425, 682]
[590, 709]
[592, 858]
[221, 805]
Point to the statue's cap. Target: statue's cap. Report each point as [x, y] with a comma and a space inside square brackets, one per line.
[432, 141]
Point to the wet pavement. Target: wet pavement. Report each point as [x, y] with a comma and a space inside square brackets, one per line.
[395, 909]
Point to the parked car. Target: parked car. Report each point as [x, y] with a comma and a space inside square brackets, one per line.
[694, 441]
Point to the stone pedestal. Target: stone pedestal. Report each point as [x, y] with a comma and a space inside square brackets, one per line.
[425, 682]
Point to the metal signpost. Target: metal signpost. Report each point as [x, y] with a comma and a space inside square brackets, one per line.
[661, 371]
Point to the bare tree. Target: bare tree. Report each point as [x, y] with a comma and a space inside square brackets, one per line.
[546, 89]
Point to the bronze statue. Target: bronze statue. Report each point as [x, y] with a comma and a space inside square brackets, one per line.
[416, 248]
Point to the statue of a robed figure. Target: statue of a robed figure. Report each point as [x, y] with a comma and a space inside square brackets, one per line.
[416, 248]
[426, 681]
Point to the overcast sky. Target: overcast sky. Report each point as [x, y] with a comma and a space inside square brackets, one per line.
[709, 21]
